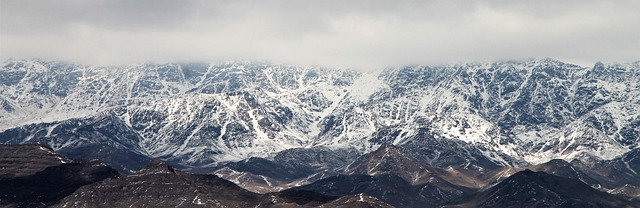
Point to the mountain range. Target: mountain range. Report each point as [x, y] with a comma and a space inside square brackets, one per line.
[201, 115]
[408, 136]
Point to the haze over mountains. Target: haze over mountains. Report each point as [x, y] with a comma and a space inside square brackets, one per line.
[449, 135]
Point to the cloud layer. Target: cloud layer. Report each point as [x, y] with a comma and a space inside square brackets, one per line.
[361, 34]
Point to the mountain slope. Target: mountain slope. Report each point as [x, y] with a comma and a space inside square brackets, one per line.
[538, 189]
[388, 159]
[396, 178]
[158, 183]
[358, 201]
[27, 159]
[190, 114]
[292, 167]
[613, 173]
[35, 176]
[56, 176]
[537, 110]
[556, 167]
[104, 137]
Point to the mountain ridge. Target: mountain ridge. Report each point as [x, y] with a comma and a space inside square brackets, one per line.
[197, 115]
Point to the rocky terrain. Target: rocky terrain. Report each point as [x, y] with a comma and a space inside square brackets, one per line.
[398, 179]
[35, 176]
[94, 184]
[395, 177]
[27, 159]
[383, 178]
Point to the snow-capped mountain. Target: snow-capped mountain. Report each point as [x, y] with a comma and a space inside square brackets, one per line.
[192, 114]
[476, 116]
[536, 110]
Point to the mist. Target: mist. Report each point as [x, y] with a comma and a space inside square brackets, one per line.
[364, 35]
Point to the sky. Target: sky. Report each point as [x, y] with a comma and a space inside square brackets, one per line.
[354, 34]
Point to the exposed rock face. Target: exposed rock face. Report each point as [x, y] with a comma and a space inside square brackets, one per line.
[27, 159]
[389, 159]
[395, 177]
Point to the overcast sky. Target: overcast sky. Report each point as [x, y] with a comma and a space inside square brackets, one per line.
[360, 34]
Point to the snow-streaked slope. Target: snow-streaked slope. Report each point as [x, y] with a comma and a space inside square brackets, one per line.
[481, 115]
[193, 114]
[536, 110]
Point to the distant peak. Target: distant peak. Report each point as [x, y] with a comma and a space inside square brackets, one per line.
[598, 66]
[547, 59]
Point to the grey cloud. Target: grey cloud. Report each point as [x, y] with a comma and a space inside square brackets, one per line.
[58, 16]
[362, 34]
